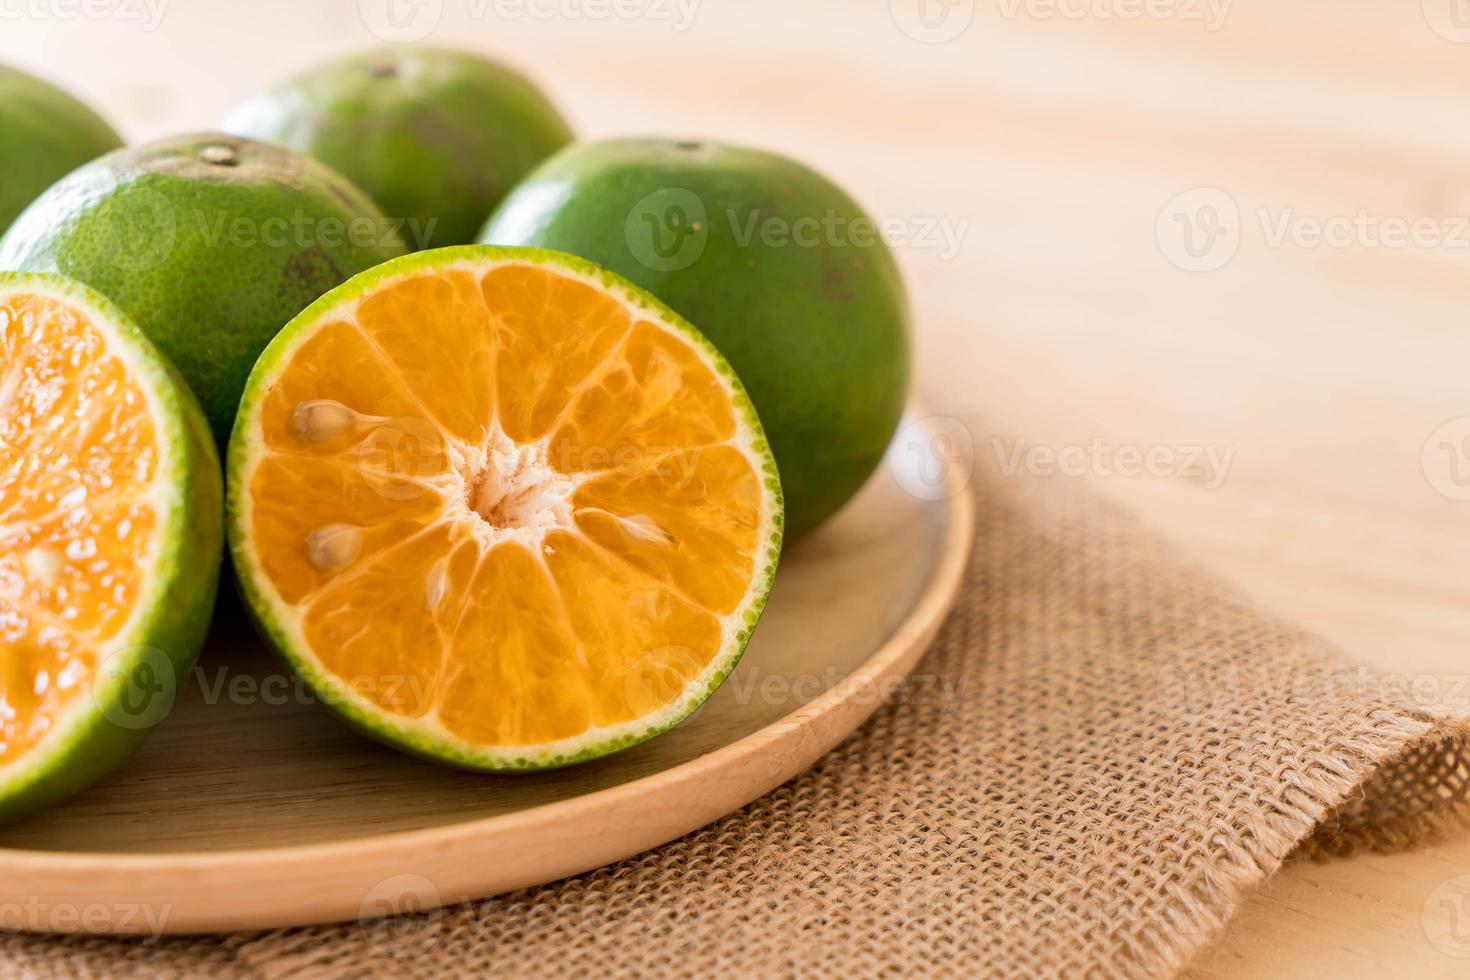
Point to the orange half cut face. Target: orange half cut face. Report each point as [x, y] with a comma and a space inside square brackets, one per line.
[110, 537]
[501, 508]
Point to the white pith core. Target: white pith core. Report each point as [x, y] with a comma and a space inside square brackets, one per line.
[501, 491]
[513, 492]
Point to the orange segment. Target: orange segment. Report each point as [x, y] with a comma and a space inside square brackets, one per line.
[569, 555]
[76, 509]
[691, 520]
[553, 334]
[515, 675]
[655, 397]
[369, 394]
[380, 628]
[632, 628]
[45, 671]
[445, 359]
[330, 518]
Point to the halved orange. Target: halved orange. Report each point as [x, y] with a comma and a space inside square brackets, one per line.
[501, 508]
[110, 537]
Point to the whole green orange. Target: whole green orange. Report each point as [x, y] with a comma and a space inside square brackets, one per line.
[210, 243]
[45, 134]
[778, 266]
[436, 137]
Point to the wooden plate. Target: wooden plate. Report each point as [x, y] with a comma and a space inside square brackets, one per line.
[251, 807]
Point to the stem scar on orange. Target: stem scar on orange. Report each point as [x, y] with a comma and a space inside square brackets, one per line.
[501, 508]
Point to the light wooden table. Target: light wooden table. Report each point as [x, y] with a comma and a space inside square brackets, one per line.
[1054, 148]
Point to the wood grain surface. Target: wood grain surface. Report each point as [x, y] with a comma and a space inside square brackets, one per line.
[1053, 140]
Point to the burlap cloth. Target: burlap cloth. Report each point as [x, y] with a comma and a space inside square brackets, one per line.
[1123, 748]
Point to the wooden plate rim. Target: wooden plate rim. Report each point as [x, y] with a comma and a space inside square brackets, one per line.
[258, 888]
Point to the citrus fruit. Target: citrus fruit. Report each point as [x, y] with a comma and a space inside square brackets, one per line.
[436, 137]
[775, 264]
[110, 537]
[45, 134]
[501, 508]
[209, 243]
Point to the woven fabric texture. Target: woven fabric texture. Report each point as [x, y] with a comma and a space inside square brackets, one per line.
[1121, 748]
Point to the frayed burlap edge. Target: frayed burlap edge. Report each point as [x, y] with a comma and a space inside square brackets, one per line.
[1329, 814]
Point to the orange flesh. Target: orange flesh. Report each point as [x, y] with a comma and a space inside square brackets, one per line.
[498, 500]
[76, 512]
